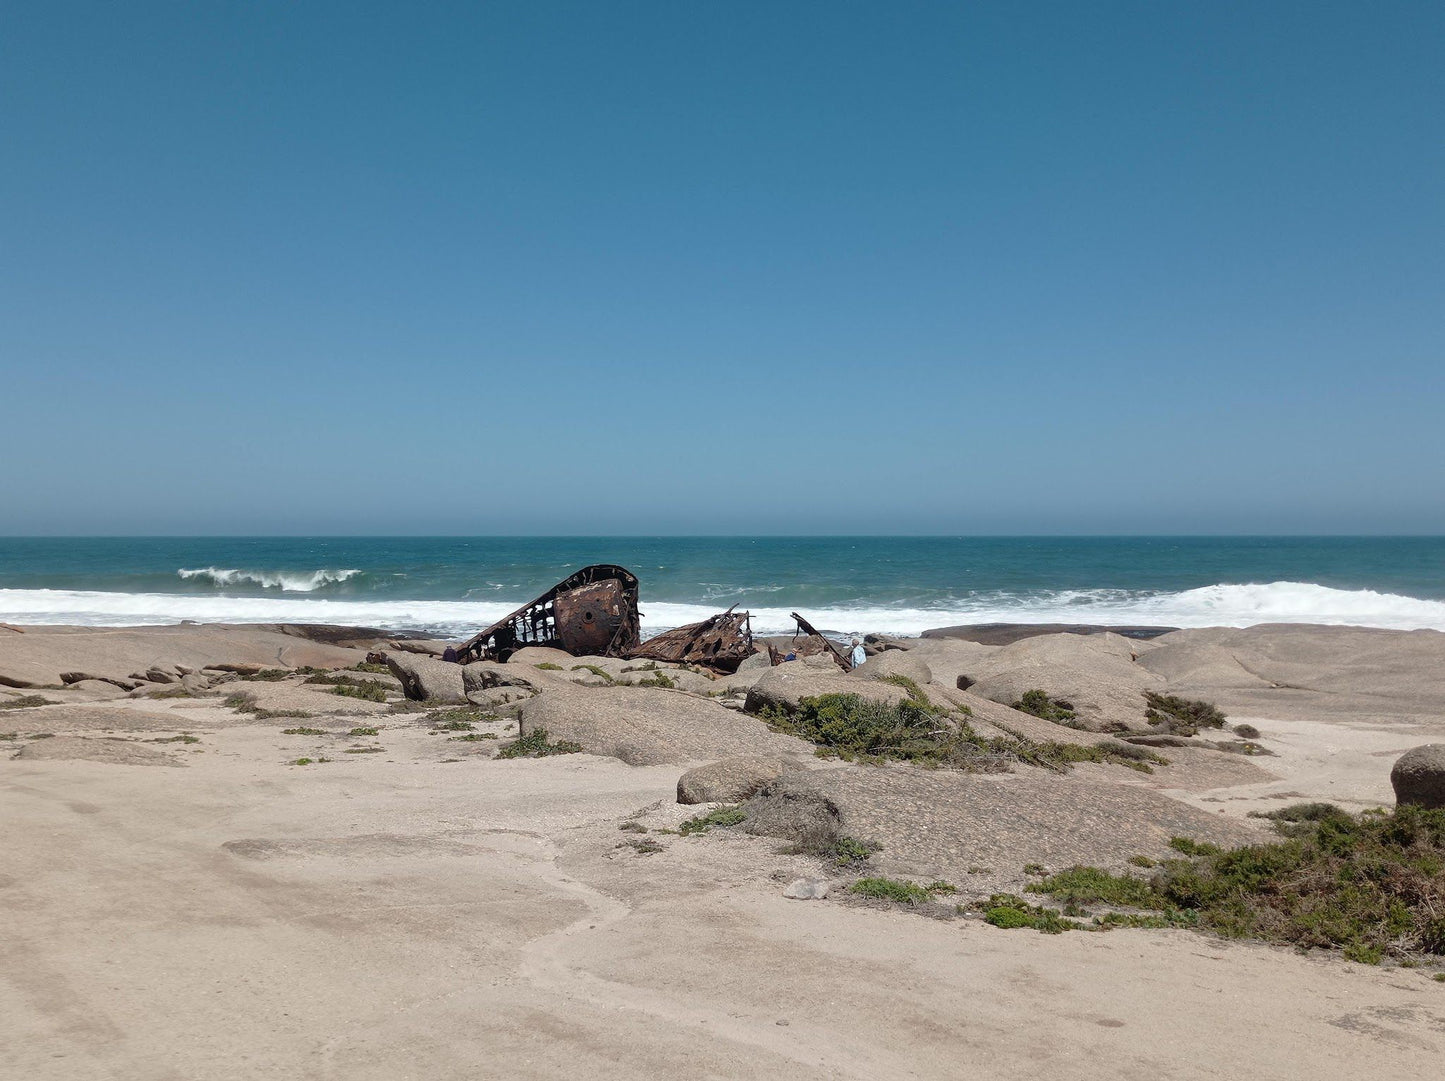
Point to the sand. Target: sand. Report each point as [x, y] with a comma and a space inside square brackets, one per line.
[429, 912]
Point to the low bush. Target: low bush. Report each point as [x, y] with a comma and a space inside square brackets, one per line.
[1183, 716]
[534, 745]
[367, 692]
[1040, 704]
[718, 816]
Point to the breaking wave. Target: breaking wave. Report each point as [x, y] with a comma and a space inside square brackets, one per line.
[286, 582]
[1208, 606]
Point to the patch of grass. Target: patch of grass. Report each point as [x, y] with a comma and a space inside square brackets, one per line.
[1299, 817]
[658, 679]
[368, 692]
[1184, 716]
[7, 736]
[176, 691]
[303, 731]
[1090, 885]
[534, 745]
[940, 887]
[718, 816]
[1371, 886]
[454, 726]
[183, 738]
[471, 714]
[1035, 869]
[473, 737]
[1439, 977]
[308, 761]
[267, 675]
[1041, 704]
[891, 889]
[41, 735]
[632, 827]
[364, 732]
[244, 703]
[643, 846]
[1009, 911]
[364, 750]
[1143, 861]
[368, 666]
[548, 666]
[1190, 847]
[26, 701]
[855, 728]
[1059, 756]
[595, 671]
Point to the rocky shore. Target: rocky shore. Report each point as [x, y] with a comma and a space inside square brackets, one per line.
[311, 851]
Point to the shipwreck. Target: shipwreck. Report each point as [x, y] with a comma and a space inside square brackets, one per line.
[593, 613]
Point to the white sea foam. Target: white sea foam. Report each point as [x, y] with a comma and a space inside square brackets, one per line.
[303, 582]
[1210, 606]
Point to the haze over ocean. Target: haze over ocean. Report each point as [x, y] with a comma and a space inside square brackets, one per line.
[902, 585]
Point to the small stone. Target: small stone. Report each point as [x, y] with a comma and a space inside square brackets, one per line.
[806, 889]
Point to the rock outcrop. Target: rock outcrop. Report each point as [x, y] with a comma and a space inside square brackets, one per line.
[786, 685]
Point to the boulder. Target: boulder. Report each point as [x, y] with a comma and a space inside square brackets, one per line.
[759, 660]
[195, 683]
[1419, 776]
[531, 656]
[485, 675]
[423, 677]
[895, 662]
[730, 780]
[644, 726]
[786, 685]
[1095, 674]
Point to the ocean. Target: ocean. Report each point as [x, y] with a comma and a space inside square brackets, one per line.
[899, 585]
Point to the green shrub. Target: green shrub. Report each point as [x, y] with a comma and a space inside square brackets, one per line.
[364, 732]
[368, 692]
[1090, 885]
[1186, 716]
[1009, 911]
[534, 745]
[718, 816]
[267, 675]
[890, 889]
[1041, 705]
[658, 679]
[303, 732]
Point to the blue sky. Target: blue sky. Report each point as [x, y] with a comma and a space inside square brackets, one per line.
[743, 268]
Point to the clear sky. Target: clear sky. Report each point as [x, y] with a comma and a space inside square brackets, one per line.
[722, 267]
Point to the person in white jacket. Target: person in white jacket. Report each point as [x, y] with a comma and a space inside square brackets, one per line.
[858, 656]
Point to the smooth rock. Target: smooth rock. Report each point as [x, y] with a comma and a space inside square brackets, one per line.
[806, 889]
[730, 780]
[786, 685]
[423, 677]
[1419, 776]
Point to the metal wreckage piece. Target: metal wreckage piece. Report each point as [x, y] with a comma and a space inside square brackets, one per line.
[593, 613]
[590, 613]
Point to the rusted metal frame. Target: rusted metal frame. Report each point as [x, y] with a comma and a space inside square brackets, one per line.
[809, 629]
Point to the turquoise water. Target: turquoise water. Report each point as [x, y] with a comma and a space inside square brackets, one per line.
[901, 585]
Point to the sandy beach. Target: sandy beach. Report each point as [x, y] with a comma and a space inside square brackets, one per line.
[182, 899]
